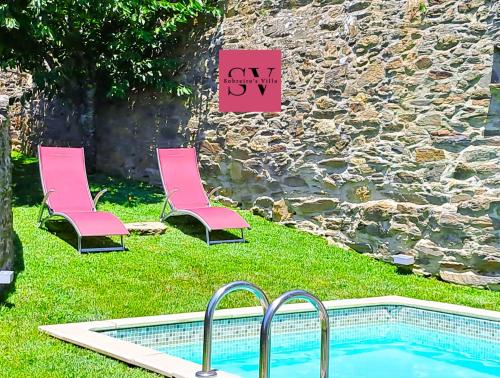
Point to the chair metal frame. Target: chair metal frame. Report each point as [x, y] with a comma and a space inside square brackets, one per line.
[41, 222]
[177, 212]
[173, 213]
[44, 205]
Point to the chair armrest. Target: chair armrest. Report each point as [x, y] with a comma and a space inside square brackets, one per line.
[164, 216]
[46, 196]
[213, 191]
[171, 193]
[98, 196]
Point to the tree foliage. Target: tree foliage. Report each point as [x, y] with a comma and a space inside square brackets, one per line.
[113, 46]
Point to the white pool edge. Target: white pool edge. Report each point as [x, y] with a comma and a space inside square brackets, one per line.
[87, 334]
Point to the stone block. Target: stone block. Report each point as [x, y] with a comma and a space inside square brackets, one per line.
[308, 206]
[447, 41]
[432, 121]
[423, 62]
[146, 228]
[379, 210]
[280, 211]
[372, 75]
[4, 104]
[429, 154]
[226, 201]
[471, 279]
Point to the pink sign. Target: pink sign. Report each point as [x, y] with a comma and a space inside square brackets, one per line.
[249, 81]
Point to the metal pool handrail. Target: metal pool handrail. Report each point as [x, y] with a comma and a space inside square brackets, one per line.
[265, 331]
[207, 371]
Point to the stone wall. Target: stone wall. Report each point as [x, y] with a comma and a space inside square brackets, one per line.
[6, 244]
[380, 144]
[35, 118]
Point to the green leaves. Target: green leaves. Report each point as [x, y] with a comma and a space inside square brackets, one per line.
[182, 90]
[7, 21]
[10, 23]
[422, 7]
[118, 45]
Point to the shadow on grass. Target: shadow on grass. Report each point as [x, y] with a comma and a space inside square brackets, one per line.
[404, 270]
[64, 231]
[194, 228]
[27, 188]
[18, 266]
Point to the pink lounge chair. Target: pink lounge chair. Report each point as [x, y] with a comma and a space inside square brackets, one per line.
[186, 196]
[66, 194]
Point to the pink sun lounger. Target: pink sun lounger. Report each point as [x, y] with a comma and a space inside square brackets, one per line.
[186, 196]
[66, 194]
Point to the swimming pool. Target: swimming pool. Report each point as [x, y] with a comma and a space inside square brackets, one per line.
[378, 337]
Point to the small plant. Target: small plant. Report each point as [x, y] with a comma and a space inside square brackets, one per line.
[416, 9]
[422, 7]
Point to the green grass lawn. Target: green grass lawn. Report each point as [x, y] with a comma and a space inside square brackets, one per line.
[172, 273]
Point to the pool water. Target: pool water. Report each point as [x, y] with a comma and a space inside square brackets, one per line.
[365, 342]
[395, 350]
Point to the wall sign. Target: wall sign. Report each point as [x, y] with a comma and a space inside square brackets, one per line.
[249, 81]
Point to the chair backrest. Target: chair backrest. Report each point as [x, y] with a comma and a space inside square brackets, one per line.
[62, 170]
[181, 178]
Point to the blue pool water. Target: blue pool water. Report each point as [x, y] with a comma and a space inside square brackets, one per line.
[366, 342]
[402, 351]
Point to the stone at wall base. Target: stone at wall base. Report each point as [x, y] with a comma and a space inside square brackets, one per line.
[471, 279]
[146, 228]
[226, 201]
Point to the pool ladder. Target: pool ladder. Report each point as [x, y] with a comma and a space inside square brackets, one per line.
[265, 329]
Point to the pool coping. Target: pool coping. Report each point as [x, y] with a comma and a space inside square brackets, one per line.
[86, 334]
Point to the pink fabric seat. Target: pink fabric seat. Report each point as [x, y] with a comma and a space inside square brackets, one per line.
[67, 194]
[220, 218]
[186, 195]
[96, 223]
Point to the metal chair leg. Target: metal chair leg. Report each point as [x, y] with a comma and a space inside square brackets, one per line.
[100, 249]
[208, 236]
[211, 242]
[42, 208]
[162, 216]
[40, 216]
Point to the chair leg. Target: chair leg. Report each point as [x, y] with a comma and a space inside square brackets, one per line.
[41, 223]
[211, 242]
[100, 249]
[208, 236]
[41, 219]
[162, 215]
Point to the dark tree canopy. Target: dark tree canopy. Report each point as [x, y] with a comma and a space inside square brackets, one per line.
[113, 46]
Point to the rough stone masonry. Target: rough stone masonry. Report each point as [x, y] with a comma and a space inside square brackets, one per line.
[380, 144]
[6, 245]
